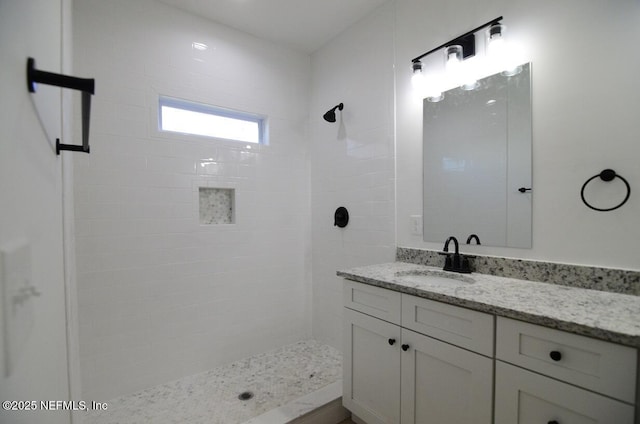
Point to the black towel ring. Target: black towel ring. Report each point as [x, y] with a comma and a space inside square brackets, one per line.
[606, 175]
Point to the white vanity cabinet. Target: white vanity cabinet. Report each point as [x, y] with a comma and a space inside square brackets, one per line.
[402, 363]
[410, 360]
[554, 377]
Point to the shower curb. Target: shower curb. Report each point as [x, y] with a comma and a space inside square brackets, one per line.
[322, 406]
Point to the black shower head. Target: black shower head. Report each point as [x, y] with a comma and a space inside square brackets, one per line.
[330, 116]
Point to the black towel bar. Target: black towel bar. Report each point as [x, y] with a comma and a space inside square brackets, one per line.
[86, 85]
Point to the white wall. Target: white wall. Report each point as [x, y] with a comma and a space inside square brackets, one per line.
[352, 161]
[160, 295]
[585, 108]
[31, 209]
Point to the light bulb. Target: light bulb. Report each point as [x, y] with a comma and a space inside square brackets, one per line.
[498, 50]
[417, 79]
[496, 44]
[453, 58]
[468, 76]
[433, 90]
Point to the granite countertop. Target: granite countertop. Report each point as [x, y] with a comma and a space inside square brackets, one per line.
[607, 316]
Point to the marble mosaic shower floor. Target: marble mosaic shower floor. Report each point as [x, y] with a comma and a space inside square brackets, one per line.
[275, 378]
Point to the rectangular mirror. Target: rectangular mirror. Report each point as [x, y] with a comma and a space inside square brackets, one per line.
[477, 162]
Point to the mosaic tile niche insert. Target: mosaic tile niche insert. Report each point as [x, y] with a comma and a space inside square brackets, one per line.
[216, 205]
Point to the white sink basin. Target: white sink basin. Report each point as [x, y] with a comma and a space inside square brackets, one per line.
[434, 277]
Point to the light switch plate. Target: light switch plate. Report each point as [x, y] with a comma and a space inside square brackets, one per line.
[17, 302]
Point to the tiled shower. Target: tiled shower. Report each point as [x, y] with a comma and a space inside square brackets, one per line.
[163, 294]
[193, 254]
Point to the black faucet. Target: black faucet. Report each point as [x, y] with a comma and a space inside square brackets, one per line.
[472, 237]
[455, 242]
[456, 262]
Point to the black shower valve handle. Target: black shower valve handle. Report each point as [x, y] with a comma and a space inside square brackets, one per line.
[341, 217]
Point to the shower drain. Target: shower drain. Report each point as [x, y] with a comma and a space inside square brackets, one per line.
[245, 395]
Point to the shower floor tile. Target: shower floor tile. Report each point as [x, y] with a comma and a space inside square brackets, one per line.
[275, 378]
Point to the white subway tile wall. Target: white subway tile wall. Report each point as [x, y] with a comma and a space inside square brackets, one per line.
[160, 295]
[352, 161]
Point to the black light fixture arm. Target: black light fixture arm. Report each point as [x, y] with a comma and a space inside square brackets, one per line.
[85, 85]
[459, 40]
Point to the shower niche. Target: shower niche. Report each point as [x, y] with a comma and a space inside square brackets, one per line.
[217, 205]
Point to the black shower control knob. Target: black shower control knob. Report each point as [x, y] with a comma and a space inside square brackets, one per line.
[555, 355]
[392, 341]
[405, 347]
[341, 217]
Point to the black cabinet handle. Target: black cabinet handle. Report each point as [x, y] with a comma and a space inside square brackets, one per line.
[405, 347]
[555, 355]
[553, 422]
[392, 341]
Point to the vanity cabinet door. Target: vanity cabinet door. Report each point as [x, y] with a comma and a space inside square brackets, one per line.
[371, 384]
[524, 397]
[443, 384]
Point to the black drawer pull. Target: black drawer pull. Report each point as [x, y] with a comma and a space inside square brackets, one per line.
[556, 356]
[392, 341]
[553, 422]
[405, 347]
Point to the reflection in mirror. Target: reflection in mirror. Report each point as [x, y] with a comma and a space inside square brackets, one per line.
[477, 155]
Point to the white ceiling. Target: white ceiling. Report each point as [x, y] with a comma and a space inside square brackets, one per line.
[304, 25]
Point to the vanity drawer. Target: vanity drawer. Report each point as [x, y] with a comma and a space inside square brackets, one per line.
[597, 365]
[375, 301]
[462, 327]
[523, 397]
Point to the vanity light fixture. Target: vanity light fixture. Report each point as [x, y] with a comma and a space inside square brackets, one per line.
[456, 71]
[495, 39]
[453, 57]
[497, 50]
[330, 116]
[456, 52]
[424, 85]
[417, 79]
